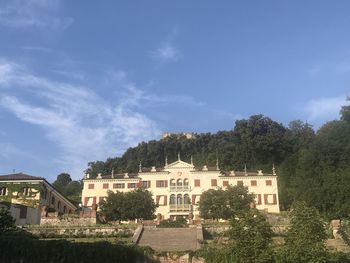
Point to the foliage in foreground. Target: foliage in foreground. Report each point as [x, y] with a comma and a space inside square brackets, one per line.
[6, 220]
[305, 240]
[24, 249]
[128, 206]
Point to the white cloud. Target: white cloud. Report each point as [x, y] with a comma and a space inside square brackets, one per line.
[81, 123]
[33, 13]
[324, 109]
[166, 51]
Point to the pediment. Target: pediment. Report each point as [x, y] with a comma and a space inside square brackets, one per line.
[179, 165]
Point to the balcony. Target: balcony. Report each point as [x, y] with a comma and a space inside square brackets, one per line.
[180, 208]
[180, 188]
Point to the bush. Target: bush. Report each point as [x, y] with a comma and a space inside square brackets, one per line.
[26, 249]
[6, 220]
[179, 222]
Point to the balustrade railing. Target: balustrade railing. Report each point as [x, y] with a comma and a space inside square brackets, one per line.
[180, 208]
[179, 188]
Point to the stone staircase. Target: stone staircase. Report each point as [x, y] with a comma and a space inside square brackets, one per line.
[171, 239]
[337, 244]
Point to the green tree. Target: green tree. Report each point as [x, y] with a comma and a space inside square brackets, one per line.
[132, 205]
[63, 179]
[250, 238]
[238, 199]
[71, 189]
[6, 220]
[225, 204]
[139, 204]
[305, 239]
[213, 204]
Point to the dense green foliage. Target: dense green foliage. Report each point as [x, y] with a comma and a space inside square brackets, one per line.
[71, 189]
[27, 249]
[178, 222]
[250, 238]
[224, 204]
[313, 167]
[305, 240]
[6, 220]
[131, 205]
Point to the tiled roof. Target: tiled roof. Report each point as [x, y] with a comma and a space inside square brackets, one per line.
[19, 176]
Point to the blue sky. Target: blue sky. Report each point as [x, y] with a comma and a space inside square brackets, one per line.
[85, 80]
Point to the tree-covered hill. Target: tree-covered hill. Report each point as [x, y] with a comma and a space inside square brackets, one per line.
[314, 167]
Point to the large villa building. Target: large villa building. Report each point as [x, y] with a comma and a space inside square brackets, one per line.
[177, 187]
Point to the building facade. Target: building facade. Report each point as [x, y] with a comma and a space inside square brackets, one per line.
[29, 198]
[178, 186]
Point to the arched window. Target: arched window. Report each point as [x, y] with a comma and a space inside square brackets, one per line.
[186, 183]
[179, 182]
[53, 200]
[187, 199]
[58, 205]
[179, 199]
[64, 209]
[172, 182]
[172, 200]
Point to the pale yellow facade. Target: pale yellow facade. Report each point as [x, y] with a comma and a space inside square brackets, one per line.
[177, 187]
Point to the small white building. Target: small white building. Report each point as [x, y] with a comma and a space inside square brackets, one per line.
[29, 198]
[177, 187]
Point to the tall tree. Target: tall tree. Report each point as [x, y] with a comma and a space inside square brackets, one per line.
[250, 238]
[305, 240]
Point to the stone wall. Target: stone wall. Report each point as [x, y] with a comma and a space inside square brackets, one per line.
[71, 232]
[179, 259]
[69, 221]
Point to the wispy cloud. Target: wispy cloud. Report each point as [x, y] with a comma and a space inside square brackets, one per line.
[166, 51]
[320, 110]
[33, 14]
[85, 126]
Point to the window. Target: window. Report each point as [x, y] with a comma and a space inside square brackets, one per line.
[131, 185]
[118, 186]
[161, 200]
[240, 183]
[197, 183]
[186, 182]
[253, 183]
[101, 198]
[2, 190]
[161, 183]
[179, 199]
[187, 199]
[91, 186]
[53, 200]
[58, 205]
[23, 212]
[179, 183]
[172, 200]
[270, 199]
[214, 182]
[105, 186]
[26, 191]
[268, 182]
[145, 184]
[225, 183]
[258, 196]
